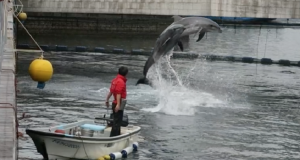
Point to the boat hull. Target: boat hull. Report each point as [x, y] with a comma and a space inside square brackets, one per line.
[62, 146]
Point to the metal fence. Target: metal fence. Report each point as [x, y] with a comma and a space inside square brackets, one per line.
[3, 28]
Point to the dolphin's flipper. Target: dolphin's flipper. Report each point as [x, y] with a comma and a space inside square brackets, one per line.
[199, 30]
[180, 45]
[201, 35]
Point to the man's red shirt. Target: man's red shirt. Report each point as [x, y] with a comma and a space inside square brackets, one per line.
[118, 86]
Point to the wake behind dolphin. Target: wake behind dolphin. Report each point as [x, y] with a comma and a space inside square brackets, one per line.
[167, 40]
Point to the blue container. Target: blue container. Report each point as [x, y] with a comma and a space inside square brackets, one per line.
[89, 129]
[93, 127]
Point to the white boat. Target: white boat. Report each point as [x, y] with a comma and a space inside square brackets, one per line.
[84, 140]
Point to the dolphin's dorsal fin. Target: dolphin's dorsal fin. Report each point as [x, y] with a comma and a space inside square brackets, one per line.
[177, 18]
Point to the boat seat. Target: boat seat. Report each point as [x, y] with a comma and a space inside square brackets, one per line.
[93, 127]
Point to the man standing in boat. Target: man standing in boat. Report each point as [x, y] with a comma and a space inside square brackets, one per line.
[118, 90]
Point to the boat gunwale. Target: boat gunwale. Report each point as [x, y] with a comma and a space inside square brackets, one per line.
[50, 134]
[43, 132]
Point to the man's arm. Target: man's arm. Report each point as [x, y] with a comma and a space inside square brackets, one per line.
[108, 96]
[107, 99]
[118, 100]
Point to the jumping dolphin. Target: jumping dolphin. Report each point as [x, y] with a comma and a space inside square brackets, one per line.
[164, 43]
[171, 36]
[196, 25]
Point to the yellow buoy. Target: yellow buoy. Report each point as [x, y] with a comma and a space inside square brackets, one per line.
[40, 70]
[22, 16]
[107, 157]
[101, 158]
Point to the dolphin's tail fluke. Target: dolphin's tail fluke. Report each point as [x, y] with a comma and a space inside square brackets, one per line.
[143, 80]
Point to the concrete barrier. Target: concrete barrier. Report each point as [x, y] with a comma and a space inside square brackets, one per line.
[228, 8]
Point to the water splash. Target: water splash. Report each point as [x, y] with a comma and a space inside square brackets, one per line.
[168, 58]
[175, 97]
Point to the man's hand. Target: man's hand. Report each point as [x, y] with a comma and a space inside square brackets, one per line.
[117, 108]
[107, 104]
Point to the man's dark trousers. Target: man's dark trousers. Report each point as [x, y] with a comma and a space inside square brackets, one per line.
[116, 126]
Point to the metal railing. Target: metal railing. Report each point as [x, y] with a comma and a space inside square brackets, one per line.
[3, 28]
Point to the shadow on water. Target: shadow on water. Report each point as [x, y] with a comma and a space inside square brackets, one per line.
[240, 111]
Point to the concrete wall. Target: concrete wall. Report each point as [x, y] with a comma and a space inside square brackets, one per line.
[58, 24]
[226, 8]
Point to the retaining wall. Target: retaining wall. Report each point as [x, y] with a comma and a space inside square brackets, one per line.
[224, 8]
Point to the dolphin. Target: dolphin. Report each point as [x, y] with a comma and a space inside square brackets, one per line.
[172, 35]
[164, 43]
[196, 25]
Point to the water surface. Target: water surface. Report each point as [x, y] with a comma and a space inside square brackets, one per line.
[223, 111]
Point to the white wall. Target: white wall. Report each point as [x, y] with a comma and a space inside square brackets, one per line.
[226, 8]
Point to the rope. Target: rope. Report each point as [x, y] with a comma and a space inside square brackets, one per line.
[30, 35]
[41, 50]
[84, 147]
[23, 50]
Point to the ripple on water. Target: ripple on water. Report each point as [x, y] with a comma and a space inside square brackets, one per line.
[224, 111]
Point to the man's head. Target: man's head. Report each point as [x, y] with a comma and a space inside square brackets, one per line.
[123, 71]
